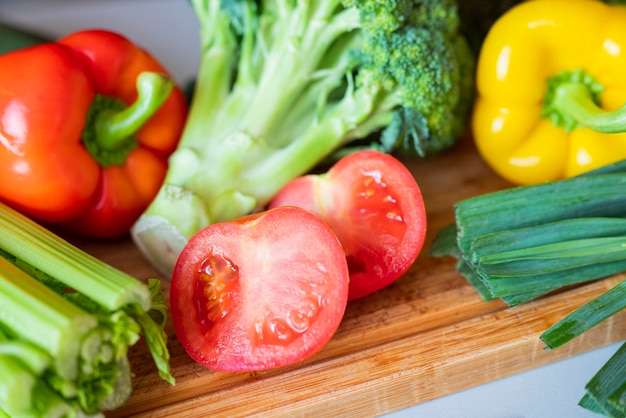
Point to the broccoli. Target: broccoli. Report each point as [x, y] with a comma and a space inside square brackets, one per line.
[282, 85]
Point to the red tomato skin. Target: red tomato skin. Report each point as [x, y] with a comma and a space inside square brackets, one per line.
[375, 207]
[278, 292]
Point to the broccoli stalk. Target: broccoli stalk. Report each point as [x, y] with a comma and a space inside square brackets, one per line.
[282, 85]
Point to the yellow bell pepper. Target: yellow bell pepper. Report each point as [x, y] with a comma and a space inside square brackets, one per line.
[551, 85]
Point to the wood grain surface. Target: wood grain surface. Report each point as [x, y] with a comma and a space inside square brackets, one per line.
[426, 336]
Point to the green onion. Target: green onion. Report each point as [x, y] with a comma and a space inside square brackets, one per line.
[67, 321]
[587, 316]
[606, 391]
[445, 245]
[585, 196]
[522, 243]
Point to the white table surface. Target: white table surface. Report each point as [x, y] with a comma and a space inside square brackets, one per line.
[168, 29]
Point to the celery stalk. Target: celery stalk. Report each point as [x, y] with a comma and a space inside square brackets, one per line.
[32, 357]
[35, 359]
[67, 321]
[17, 386]
[40, 316]
[23, 394]
[47, 403]
[40, 248]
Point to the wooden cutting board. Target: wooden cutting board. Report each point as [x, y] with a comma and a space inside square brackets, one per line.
[426, 336]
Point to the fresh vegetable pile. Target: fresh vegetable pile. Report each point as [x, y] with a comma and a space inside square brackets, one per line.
[270, 288]
[263, 254]
[67, 321]
[282, 86]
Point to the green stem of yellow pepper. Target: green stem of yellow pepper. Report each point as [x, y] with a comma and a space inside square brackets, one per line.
[573, 100]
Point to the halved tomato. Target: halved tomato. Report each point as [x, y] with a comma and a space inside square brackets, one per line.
[263, 291]
[375, 206]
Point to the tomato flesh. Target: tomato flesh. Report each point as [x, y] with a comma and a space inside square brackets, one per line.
[215, 289]
[374, 205]
[260, 292]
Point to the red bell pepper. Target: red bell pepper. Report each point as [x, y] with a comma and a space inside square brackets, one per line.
[86, 126]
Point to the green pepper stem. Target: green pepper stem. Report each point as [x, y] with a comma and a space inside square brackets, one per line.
[575, 100]
[114, 126]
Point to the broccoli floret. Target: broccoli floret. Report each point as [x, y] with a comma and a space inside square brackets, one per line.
[415, 49]
[282, 85]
